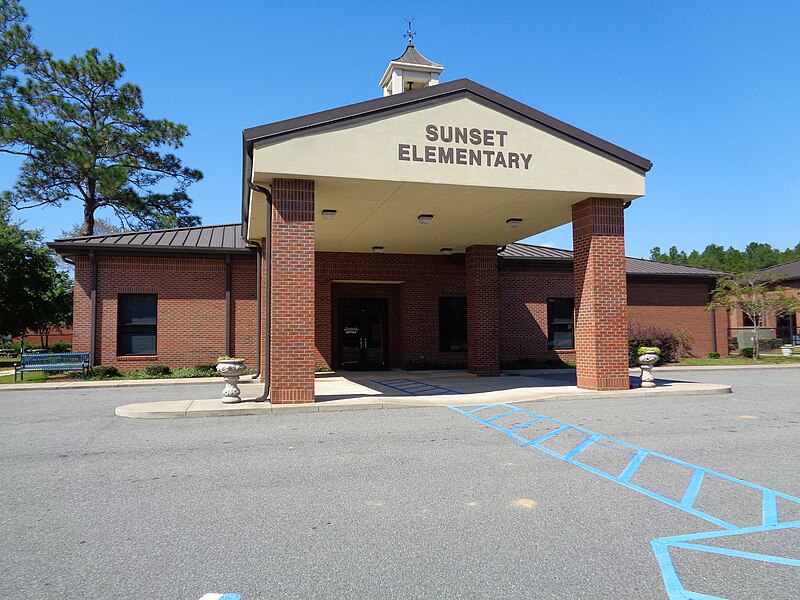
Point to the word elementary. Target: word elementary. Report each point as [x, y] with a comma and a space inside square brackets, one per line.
[453, 155]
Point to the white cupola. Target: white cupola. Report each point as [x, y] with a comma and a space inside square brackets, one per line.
[411, 71]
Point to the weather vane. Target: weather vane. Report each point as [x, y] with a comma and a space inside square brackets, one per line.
[409, 34]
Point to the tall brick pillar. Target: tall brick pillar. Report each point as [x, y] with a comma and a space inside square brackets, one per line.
[483, 311]
[601, 319]
[292, 316]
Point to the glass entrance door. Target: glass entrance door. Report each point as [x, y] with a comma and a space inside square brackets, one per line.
[362, 333]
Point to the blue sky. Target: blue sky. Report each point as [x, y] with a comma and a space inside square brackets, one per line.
[707, 90]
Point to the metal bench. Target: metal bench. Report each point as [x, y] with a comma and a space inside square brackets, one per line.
[8, 353]
[65, 361]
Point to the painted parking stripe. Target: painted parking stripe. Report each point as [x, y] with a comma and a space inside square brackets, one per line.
[412, 387]
[770, 517]
[221, 597]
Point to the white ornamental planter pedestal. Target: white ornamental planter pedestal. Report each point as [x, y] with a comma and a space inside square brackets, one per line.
[230, 370]
[787, 350]
[646, 362]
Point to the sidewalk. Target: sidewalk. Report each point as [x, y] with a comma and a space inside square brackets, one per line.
[388, 390]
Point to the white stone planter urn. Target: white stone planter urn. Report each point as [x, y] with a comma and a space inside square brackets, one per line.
[787, 350]
[646, 360]
[231, 369]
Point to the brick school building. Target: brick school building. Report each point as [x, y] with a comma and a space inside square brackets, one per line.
[383, 235]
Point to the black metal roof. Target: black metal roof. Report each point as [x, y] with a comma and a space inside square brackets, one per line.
[227, 239]
[633, 266]
[215, 239]
[790, 270]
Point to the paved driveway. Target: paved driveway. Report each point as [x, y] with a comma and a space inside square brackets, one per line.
[393, 503]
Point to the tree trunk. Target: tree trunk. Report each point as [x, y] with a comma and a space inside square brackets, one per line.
[89, 206]
[755, 342]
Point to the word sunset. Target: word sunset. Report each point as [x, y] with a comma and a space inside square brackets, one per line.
[470, 146]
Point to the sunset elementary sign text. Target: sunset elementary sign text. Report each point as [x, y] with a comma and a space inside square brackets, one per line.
[467, 155]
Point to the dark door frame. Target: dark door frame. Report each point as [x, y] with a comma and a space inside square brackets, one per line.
[380, 309]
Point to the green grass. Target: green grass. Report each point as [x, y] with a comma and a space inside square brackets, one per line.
[737, 360]
[34, 377]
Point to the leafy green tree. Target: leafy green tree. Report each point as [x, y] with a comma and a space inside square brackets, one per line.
[83, 136]
[755, 256]
[15, 50]
[34, 294]
[757, 296]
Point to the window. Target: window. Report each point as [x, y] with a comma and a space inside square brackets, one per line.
[560, 323]
[136, 324]
[452, 324]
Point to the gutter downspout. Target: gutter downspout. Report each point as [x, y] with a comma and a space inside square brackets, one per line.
[265, 252]
[228, 305]
[93, 314]
[259, 295]
[713, 312]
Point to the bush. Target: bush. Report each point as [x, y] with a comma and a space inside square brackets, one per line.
[733, 343]
[662, 339]
[206, 368]
[60, 347]
[104, 372]
[747, 352]
[713, 355]
[157, 370]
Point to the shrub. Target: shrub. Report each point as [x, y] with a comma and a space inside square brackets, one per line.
[713, 355]
[104, 372]
[747, 352]
[733, 343]
[157, 370]
[322, 369]
[685, 341]
[60, 347]
[662, 339]
[211, 368]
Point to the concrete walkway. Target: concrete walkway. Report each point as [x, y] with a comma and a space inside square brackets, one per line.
[406, 389]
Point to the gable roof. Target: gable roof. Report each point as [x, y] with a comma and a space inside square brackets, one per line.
[790, 270]
[436, 94]
[633, 266]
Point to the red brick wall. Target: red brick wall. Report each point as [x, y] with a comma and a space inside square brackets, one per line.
[191, 308]
[413, 304]
[293, 345]
[192, 301]
[483, 311]
[677, 305]
[524, 291]
[601, 324]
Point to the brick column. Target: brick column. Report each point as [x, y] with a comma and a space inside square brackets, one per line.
[601, 321]
[292, 350]
[483, 311]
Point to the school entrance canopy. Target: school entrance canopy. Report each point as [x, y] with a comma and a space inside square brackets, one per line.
[435, 169]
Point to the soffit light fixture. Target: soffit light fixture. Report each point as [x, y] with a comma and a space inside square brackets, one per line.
[377, 249]
[329, 214]
[446, 251]
[514, 223]
[425, 219]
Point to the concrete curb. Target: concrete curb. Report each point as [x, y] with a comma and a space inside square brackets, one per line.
[115, 383]
[215, 408]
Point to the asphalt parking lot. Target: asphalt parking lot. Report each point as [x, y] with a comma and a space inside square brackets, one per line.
[405, 503]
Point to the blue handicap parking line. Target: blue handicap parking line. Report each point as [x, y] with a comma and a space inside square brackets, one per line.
[769, 518]
[412, 387]
[221, 597]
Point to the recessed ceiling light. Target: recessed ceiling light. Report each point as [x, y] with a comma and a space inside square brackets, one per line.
[513, 223]
[446, 251]
[377, 249]
[329, 214]
[425, 219]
